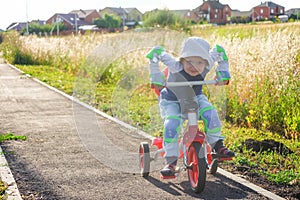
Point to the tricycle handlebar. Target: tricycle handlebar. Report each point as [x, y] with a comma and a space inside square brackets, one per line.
[190, 83]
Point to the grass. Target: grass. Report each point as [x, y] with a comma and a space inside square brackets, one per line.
[51, 75]
[262, 101]
[278, 168]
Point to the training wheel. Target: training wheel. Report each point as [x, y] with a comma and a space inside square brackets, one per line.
[144, 159]
[213, 167]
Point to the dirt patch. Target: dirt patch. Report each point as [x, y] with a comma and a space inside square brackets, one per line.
[266, 145]
[291, 192]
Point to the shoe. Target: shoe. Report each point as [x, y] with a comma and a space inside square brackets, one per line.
[225, 153]
[168, 170]
[222, 151]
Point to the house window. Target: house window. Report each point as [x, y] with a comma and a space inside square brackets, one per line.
[216, 10]
[188, 14]
[281, 11]
[216, 16]
[261, 11]
[272, 11]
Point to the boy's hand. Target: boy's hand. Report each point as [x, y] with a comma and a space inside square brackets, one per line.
[155, 54]
[222, 52]
[222, 78]
[218, 54]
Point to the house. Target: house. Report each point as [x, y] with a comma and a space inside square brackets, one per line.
[267, 10]
[39, 22]
[293, 11]
[88, 16]
[129, 16]
[214, 12]
[17, 26]
[240, 16]
[187, 15]
[71, 21]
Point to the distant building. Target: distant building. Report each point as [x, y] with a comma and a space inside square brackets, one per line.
[17, 26]
[40, 22]
[267, 10]
[293, 11]
[214, 12]
[240, 16]
[129, 16]
[187, 15]
[88, 16]
[71, 21]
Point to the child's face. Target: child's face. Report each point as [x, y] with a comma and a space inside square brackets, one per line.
[194, 65]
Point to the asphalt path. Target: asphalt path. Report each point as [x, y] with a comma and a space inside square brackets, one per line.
[74, 153]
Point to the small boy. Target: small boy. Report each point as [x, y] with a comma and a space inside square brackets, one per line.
[195, 61]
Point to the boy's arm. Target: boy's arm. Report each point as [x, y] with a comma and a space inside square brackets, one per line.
[157, 79]
[172, 64]
[218, 55]
[158, 53]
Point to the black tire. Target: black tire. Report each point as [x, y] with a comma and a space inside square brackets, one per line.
[144, 159]
[197, 171]
[213, 167]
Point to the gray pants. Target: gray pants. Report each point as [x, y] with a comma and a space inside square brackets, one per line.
[173, 119]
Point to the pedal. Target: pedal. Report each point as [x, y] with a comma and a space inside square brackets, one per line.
[224, 158]
[167, 177]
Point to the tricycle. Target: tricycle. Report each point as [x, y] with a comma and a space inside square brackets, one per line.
[198, 156]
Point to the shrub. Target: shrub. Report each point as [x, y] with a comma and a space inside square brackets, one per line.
[165, 19]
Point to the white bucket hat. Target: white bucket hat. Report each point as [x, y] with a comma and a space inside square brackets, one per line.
[195, 46]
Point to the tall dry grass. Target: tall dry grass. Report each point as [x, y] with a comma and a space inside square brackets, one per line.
[269, 52]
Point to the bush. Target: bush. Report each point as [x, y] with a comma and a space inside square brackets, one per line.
[165, 19]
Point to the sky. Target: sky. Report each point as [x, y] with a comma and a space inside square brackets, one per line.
[23, 10]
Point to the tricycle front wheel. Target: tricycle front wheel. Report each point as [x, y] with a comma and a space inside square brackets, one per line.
[197, 167]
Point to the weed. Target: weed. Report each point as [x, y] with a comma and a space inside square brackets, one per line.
[11, 136]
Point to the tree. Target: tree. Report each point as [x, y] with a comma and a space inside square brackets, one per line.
[165, 18]
[295, 16]
[108, 21]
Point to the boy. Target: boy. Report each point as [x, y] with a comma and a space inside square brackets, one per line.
[194, 63]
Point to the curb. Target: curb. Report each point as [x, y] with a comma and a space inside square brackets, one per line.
[6, 176]
[229, 175]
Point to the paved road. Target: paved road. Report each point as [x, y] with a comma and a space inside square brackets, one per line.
[72, 153]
